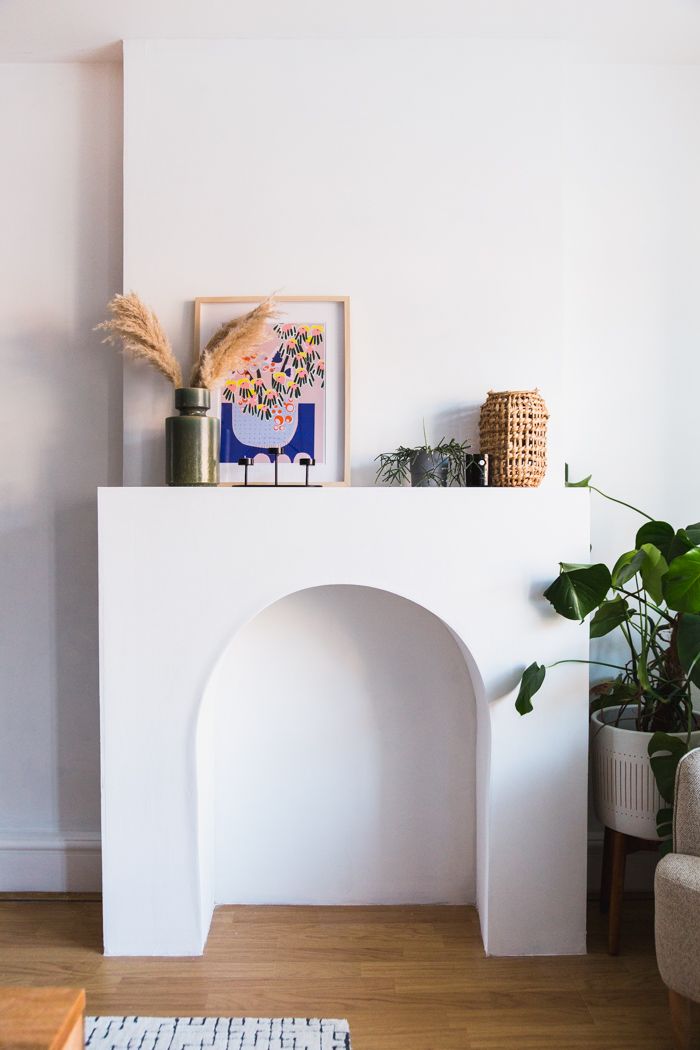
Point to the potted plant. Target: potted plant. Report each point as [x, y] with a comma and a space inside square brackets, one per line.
[642, 718]
[425, 466]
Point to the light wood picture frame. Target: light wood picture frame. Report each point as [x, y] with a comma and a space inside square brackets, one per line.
[309, 342]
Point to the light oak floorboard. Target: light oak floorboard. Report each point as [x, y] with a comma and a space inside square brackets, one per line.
[407, 978]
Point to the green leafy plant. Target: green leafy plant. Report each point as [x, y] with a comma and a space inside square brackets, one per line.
[651, 597]
[395, 467]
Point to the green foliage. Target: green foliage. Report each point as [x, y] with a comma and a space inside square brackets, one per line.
[688, 641]
[654, 568]
[664, 828]
[578, 591]
[652, 598]
[682, 582]
[683, 541]
[608, 616]
[665, 752]
[626, 567]
[583, 484]
[611, 694]
[533, 677]
[660, 533]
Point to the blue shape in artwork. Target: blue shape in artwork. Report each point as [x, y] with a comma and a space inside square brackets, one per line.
[302, 444]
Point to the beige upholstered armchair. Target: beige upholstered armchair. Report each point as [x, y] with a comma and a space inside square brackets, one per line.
[677, 893]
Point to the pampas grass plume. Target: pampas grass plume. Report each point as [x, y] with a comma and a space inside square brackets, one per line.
[141, 336]
[230, 343]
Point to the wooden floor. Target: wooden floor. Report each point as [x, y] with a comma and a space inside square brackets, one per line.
[406, 978]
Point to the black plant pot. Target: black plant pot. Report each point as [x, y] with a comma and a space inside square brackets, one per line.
[428, 471]
[476, 470]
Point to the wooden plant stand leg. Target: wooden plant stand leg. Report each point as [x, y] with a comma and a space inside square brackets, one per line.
[618, 848]
[681, 1020]
[606, 872]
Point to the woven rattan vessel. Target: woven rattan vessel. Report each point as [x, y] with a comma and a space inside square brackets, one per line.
[513, 428]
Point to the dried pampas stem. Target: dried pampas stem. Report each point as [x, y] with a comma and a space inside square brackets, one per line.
[230, 343]
[141, 335]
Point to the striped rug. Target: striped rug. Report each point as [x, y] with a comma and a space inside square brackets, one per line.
[216, 1033]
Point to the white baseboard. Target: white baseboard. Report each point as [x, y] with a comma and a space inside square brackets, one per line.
[46, 862]
[71, 863]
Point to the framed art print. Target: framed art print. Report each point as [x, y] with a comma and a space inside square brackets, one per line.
[292, 394]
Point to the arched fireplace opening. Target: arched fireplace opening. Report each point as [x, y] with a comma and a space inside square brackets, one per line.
[344, 742]
[371, 791]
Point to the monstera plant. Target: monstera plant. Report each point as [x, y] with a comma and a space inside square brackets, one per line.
[651, 599]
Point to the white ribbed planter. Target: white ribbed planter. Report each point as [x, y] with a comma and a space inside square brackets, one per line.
[624, 790]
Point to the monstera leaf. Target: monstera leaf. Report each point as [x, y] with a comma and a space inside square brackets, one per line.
[664, 829]
[665, 752]
[583, 484]
[627, 566]
[648, 562]
[533, 677]
[577, 592]
[692, 533]
[681, 583]
[684, 541]
[688, 639]
[654, 568]
[609, 616]
[660, 533]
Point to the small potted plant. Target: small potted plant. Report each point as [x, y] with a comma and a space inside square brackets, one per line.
[426, 466]
[642, 718]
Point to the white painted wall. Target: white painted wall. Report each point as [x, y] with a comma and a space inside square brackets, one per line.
[632, 273]
[621, 30]
[60, 259]
[345, 756]
[420, 177]
[631, 311]
[610, 280]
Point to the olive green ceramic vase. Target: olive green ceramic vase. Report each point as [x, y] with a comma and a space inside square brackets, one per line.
[192, 440]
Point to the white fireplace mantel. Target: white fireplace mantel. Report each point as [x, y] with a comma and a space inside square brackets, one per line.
[176, 586]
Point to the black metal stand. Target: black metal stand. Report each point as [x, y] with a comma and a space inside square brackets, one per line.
[306, 462]
[275, 453]
[245, 462]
